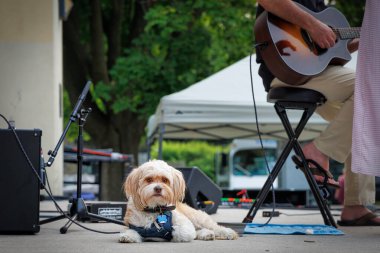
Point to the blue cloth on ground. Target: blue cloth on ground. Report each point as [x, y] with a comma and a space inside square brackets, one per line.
[291, 229]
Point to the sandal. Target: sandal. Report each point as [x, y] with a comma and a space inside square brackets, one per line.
[321, 175]
[365, 220]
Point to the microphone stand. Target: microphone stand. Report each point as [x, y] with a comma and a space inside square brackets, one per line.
[78, 209]
[73, 117]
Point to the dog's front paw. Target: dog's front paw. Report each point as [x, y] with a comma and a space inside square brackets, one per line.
[129, 236]
[223, 233]
[205, 235]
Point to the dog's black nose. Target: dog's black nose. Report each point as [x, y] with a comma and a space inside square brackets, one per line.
[157, 189]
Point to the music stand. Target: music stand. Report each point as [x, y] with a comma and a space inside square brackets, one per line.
[78, 209]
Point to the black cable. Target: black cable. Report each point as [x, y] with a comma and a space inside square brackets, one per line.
[301, 214]
[261, 142]
[46, 190]
[48, 183]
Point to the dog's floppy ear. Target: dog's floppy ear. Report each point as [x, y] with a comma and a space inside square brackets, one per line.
[179, 186]
[131, 186]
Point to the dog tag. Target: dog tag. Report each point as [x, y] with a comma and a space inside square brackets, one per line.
[162, 218]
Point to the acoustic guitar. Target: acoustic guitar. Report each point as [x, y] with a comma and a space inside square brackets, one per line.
[290, 53]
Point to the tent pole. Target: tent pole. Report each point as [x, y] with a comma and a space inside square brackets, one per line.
[148, 144]
[160, 140]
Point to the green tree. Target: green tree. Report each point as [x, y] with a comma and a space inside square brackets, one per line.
[137, 51]
[352, 9]
[191, 154]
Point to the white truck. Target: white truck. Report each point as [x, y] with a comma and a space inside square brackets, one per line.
[244, 167]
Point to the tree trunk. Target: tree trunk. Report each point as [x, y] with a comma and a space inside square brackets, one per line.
[99, 71]
[121, 132]
[113, 29]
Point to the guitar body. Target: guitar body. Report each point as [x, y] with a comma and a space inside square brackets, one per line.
[289, 52]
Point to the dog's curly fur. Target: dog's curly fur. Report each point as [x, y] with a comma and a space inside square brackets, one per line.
[155, 183]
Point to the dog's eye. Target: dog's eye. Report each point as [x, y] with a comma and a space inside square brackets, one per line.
[149, 180]
[165, 180]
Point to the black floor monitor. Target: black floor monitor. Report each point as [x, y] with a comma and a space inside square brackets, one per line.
[201, 192]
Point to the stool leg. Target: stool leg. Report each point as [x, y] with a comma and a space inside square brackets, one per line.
[292, 144]
[316, 190]
[276, 169]
[268, 183]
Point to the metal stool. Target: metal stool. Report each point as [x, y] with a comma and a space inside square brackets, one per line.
[298, 99]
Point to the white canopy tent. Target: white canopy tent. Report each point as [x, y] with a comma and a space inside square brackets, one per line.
[220, 108]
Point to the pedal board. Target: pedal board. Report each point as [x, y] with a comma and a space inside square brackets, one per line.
[112, 210]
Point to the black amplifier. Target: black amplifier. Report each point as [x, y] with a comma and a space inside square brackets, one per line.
[112, 210]
[19, 185]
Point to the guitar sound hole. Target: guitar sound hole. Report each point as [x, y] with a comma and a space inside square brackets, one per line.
[306, 37]
[310, 43]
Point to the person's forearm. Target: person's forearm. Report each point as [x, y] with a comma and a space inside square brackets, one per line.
[288, 10]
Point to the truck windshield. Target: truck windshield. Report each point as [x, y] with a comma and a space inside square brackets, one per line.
[251, 162]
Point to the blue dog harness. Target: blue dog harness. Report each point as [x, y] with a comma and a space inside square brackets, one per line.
[162, 227]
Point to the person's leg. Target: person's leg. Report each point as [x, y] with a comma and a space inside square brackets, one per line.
[359, 191]
[337, 85]
[312, 152]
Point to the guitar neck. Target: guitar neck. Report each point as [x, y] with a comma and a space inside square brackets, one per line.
[347, 32]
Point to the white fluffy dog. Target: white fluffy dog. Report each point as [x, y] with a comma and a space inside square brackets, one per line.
[155, 210]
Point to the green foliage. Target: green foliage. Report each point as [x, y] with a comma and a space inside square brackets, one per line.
[181, 43]
[193, 153]
[178, 43]
[72, 133]
[353, 10]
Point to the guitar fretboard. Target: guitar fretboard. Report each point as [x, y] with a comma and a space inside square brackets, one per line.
[347, 32]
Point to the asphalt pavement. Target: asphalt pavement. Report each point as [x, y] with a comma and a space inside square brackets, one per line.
[77, 239]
